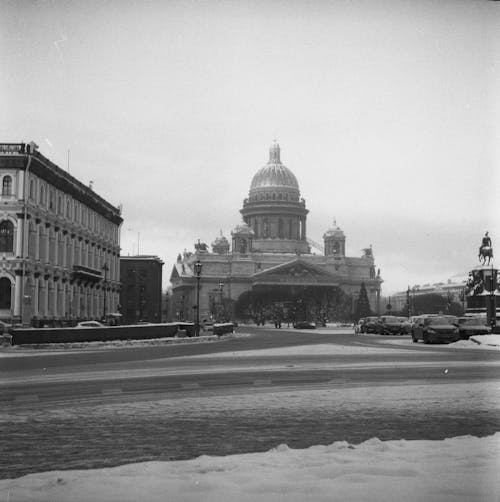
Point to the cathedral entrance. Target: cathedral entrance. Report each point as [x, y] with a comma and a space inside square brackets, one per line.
[292, 304]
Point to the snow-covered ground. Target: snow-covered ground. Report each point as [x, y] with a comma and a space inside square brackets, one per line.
[457, 469]
[461, 468]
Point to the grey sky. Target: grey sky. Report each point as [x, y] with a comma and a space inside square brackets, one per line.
[387, 113]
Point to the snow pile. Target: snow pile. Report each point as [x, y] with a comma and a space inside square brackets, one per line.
[462, 468]
[490, 340]
[479, 342]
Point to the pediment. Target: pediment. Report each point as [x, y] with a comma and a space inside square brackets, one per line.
[295, 272]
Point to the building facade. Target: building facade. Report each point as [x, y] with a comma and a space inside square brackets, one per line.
[268, 266]
[140, 294]
[59, 243]
[453, 290]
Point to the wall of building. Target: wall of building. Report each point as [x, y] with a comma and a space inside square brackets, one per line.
[55, 235]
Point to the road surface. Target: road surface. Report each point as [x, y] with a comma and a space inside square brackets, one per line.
[102, 407]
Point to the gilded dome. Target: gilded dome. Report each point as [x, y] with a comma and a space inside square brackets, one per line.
[274, 175]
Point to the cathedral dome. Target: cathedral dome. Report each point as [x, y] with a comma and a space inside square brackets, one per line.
[274, 175]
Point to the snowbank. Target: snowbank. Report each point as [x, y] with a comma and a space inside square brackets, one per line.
[463, 468]
[479, 342]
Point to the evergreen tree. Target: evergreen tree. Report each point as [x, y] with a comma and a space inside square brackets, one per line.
[363, 305]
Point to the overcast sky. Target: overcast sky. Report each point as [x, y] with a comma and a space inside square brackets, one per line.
[387, 113]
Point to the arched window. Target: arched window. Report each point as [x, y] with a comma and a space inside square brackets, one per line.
[6, 236]
[51, 200]
[5, 293]
[7, 185]
[32, 189]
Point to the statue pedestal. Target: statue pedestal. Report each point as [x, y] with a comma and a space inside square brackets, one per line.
[483, 292]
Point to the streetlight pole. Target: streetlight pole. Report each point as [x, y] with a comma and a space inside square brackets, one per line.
[221, 306]
[105, 268]
[197, 273]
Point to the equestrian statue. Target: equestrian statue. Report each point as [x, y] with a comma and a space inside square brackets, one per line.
[485, 251]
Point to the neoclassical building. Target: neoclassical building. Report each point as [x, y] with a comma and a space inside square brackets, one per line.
[269, 265]
[59, 242]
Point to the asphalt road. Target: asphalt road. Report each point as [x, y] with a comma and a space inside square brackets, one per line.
[99, 407]
[33, 376]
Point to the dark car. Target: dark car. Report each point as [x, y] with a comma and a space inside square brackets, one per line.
[406, 326]
[453, 319]
[435, 329]
[389, 325]
[469, 326]
[370, 325]
[304, 325]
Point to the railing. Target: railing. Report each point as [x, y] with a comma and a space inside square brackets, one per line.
[9, 148]
[19, 148]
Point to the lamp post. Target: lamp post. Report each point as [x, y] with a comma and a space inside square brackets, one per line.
[105, 269]
[221, 306]
[197, 273]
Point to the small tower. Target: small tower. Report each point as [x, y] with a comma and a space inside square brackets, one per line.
[242, 237]
[220, 245]
[334, 239]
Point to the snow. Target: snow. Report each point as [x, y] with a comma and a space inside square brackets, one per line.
[453, 469]
[462, 468]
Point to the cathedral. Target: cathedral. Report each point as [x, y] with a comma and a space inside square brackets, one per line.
[269, 267]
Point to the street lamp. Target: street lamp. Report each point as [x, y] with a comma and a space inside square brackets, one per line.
[105, 268]
[197, 273]
[221, 306]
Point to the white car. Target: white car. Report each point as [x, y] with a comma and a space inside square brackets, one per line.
[90, 324]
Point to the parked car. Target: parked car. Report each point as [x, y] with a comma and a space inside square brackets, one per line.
[469, 326]
[406, 326]
[452, 318]
[389, 325]
[435, 329]
[90, 324]
[370, 325]
[304, 325]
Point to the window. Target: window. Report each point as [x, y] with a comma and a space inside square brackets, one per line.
[6, 236]
[281, 227]
[51, 199]
[5, 293]
[32, 189]
[7, 185]
[42, 194]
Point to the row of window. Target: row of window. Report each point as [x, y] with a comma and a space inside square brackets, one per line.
[274, 196]
[63, 205]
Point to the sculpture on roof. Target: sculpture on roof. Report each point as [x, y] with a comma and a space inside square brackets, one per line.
[368, 252]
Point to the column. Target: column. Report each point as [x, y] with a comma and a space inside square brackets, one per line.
[17, 296]
[36, 297]
[19, 236]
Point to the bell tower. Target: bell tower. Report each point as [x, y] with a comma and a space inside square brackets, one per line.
[334, 240]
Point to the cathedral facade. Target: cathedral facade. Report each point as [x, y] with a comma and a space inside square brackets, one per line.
[268, 266]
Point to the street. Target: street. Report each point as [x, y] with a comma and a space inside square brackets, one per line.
[103, 407]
